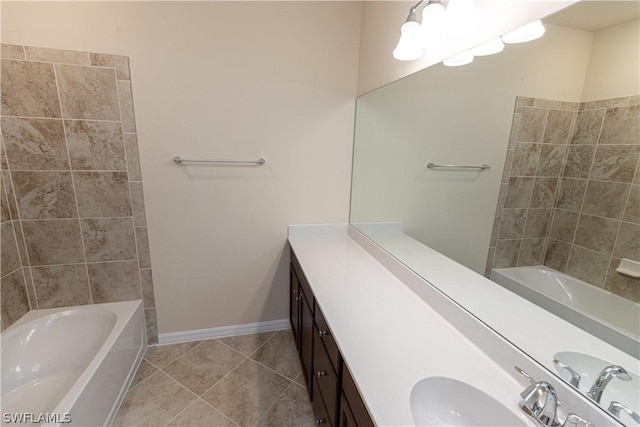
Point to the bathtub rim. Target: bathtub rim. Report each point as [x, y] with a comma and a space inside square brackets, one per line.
[125, 312]
[616, 336]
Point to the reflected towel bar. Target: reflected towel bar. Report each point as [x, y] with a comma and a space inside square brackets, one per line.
[179, 160]
[481, 167]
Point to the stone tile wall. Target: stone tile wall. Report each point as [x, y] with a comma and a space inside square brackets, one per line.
[570, 197]
[73, 206]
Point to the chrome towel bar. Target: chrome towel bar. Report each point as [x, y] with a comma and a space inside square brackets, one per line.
[179, 160]
[434, 166]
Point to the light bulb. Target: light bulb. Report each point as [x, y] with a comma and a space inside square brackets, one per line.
[461, 17]
[488, 48]
[409, 47]
[433, 25]
[463, 58]
[531, 31]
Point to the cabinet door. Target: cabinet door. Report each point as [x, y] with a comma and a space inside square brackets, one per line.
[319, 410]
[294, 305]
[346, 417]
[350, 393]
[306, 342]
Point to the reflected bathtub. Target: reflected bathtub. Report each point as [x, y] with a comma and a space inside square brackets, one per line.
[71, 365]
[606, 315]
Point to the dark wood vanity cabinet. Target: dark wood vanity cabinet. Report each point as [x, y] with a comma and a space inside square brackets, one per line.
[294, 305]
[301, 309]
[336, 401]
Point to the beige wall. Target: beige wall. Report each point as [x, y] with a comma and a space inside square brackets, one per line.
[224, 80]
[381, 21]
[239, 79]
[613, 68]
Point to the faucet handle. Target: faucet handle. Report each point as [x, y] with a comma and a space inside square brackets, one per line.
[540, 402]
[575, 377]
[616, 407]
[524, 374]
[574, 420]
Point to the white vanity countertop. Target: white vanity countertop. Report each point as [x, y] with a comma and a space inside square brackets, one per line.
[390, 338]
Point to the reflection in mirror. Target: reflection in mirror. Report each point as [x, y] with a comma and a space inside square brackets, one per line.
[558, 122]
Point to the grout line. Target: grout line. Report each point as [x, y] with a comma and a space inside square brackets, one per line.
[274, 403]
[72, 170]
[146, 379]
[73, 218]
[229, 347]
[223, 377]
[73, 183]
[83, 263]
[61, 63]
[218, 411]
[59, 118]
[272, 370]
[126, 163]
[19, 221]
[198, 399]
[181, 411]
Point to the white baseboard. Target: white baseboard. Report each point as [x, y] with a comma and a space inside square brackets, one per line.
[222, 331]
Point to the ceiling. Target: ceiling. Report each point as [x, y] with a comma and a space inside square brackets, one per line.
[596, 15]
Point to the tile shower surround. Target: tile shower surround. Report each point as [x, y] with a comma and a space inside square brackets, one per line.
[72, 208]
[570, 192]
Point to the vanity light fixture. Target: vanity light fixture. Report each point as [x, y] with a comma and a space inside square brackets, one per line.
[409, 47]
[461, 16]
[457, 18]
[531, 31]
[433, 28]
[488, 48]
[463, 58]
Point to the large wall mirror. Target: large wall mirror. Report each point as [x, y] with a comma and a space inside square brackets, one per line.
[557, 120]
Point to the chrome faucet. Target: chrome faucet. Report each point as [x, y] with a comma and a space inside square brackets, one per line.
[606, 375]
[540, 402]
[575, 377]
[574, 420]
[616, 407]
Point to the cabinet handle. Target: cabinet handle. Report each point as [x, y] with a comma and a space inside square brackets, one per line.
[322, 333]
[321, 373]
[298, 298]
[295, 291]
[320, 421]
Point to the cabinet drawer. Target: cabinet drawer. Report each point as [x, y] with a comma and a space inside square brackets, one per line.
[327, 338]
[326, 379]
[318, 408]
[304, 283]
[351, 394]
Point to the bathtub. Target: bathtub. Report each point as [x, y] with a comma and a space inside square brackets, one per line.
[608, 316]
[71, 365]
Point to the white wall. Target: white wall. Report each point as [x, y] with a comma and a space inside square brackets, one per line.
[613, 68]
[381, 22]
[455, 115]
[224, 80]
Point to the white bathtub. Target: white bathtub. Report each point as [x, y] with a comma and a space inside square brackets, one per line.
[606, 315]
[71, 364]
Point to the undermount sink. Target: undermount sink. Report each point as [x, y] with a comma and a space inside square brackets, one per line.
[625, 392]
[441, 401]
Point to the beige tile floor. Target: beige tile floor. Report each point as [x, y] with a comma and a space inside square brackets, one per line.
[244, 380]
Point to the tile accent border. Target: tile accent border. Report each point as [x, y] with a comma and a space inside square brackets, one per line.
[72, 193]
[223, 331]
